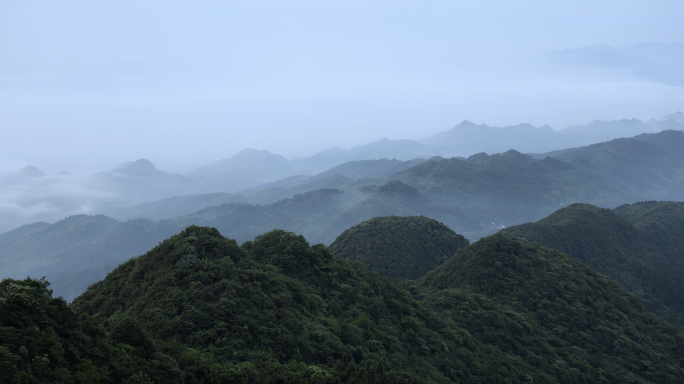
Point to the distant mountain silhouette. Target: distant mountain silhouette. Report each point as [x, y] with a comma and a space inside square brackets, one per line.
[31, 171]
[139, 168]
[141, 180]
[598, 131]
[246, 169]
[468, 138]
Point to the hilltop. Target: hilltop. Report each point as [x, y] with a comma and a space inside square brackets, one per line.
[537, 304]
[276, 307]
[638, 245]
[399, 247]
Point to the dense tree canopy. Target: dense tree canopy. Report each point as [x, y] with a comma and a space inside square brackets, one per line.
[399, 247]
[639, 245]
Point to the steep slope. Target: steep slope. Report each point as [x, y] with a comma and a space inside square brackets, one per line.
[399, 247]
[571, 323]
[639, 245]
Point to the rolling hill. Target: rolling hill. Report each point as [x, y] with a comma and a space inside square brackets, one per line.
[639, 245]
[398, 247]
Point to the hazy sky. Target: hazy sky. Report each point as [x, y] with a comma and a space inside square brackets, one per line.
[86, 85]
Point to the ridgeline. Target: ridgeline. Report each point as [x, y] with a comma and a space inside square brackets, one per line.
[198, 308]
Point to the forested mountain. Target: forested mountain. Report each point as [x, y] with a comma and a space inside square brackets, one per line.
[639, 245]
[341, 176]
[199, 308]
[513, 188]
[42, 340]
[250, 168]
[89, 242]
[399, 247]
[554, 313]
[510, 188]
[31, 195]
[474, 196]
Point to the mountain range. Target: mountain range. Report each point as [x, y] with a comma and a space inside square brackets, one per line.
[475, 197]
[198, 308]
[31, 195]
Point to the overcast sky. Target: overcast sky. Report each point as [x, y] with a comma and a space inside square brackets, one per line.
[86, 85]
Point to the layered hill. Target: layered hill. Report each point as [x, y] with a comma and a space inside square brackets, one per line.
[512, 187]
[280, 310]
[476, 196]
[638, 245]
[89, 243]
[399, 247]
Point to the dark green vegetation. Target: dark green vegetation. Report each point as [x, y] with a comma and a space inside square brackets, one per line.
[641, 246]
[200, 309]
[43, 341]
[569, 323]
[399, 247]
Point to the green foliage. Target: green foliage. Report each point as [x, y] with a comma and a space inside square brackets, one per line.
[569, 322]
[399, 247]
[279, 310]
[639, 245]
[43, 341]
[276, 304]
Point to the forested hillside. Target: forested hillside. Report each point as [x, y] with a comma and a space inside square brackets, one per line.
[280, 310]
[399, 247]
[569, 322]
[42, 340]
[639, 245]
[90, 242]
